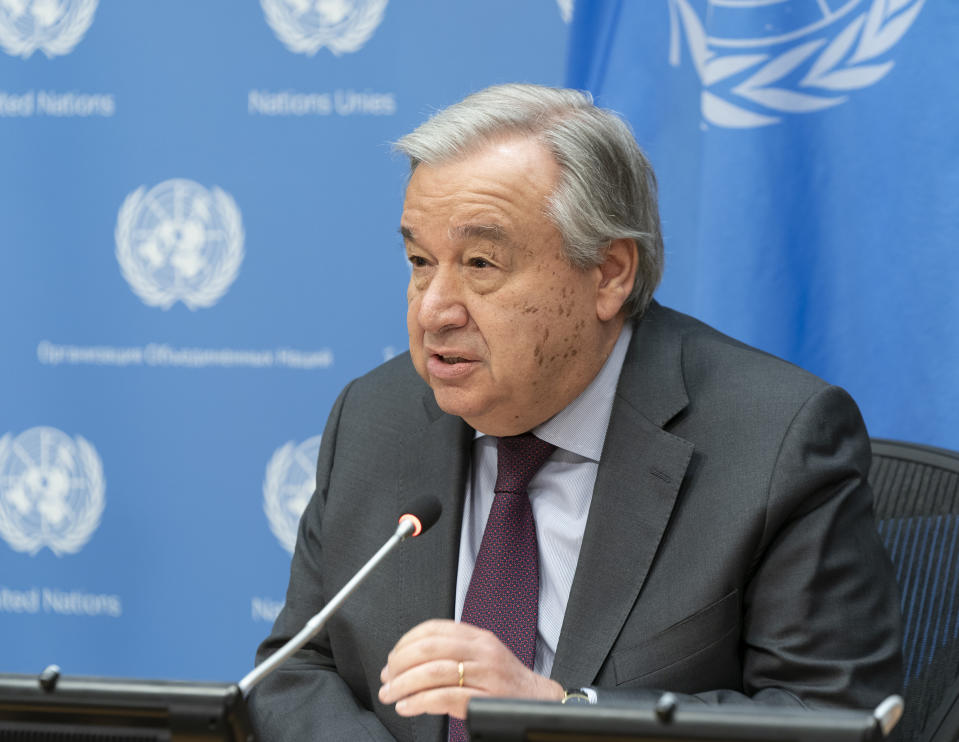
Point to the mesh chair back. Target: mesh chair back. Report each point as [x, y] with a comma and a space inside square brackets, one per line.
[916, 492]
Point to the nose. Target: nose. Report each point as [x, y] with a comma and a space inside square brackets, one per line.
[441, 306]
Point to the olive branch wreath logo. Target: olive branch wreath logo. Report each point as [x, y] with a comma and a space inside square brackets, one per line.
[86, 521]
[146, 286]
[283, 522]
[847, 62]
[346, 36]
[57, 39]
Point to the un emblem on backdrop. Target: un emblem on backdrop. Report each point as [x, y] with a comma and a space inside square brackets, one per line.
[51, 491]
[760, 60]
[52, 26]
[305, 26]
[179, 242]
[287, 487]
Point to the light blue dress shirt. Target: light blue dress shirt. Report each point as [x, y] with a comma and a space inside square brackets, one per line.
[560, 493]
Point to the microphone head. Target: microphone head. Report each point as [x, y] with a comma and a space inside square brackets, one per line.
[423, 512]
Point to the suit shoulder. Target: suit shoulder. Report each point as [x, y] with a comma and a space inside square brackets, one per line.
[391, 390]
[396, 371]
[710, 357]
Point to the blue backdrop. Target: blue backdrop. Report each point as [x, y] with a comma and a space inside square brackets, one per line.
[198, 249]
[809, 174]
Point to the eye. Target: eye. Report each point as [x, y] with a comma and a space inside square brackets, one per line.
[417, 261]
[479, 263]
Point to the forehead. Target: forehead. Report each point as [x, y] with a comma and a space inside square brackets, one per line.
[501, 186]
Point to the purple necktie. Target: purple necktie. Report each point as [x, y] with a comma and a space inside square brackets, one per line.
[503, 595]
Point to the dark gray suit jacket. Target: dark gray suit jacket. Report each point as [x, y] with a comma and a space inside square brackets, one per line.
[730, 550]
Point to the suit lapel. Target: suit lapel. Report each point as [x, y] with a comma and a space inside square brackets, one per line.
[640, 473]
[437, 465]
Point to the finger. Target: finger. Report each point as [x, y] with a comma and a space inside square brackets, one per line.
[437, 639]
[452, 701]
[426, 676]
[424, 650]
[432, 627]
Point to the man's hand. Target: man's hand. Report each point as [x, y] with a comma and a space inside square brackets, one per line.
[422, 673]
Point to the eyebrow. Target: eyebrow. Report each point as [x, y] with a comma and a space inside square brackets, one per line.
[491, 232]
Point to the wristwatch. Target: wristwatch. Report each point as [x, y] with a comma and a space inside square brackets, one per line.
[576, 695]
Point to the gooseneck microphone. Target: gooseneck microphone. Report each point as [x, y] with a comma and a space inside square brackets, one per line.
[423, 512]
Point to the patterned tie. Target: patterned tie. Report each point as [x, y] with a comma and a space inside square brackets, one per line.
[503, 595]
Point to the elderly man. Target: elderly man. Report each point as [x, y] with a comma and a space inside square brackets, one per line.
[633, 502]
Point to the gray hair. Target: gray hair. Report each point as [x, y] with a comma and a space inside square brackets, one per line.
[607, 188]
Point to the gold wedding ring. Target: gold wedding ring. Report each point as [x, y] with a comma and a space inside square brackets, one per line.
[459, 668]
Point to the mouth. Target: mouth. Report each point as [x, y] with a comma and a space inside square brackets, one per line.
[449, 366]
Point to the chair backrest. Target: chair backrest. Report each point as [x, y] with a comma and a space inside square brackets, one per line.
[916, 492]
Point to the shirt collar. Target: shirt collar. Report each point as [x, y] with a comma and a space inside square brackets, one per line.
[581, 426]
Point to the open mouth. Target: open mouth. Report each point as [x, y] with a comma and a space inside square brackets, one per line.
[452, 359]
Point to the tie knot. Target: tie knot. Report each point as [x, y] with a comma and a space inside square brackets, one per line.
[519, 457]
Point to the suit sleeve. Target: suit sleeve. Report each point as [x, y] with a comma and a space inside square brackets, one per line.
[306, 698]
[820, 612]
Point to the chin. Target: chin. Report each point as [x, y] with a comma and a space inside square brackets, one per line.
[455, 402]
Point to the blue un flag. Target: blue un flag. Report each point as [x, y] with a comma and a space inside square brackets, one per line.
[808, 160]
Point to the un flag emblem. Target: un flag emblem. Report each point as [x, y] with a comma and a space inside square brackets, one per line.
[179, 242]
[51, 491]
[288, 486]
[305, 26]
[53, 26]
[759, 60]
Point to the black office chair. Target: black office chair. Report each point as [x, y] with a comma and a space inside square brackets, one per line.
[917, 513]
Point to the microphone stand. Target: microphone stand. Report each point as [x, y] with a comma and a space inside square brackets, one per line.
[313, 626]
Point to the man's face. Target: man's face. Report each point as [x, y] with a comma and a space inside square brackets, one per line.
[503, 329]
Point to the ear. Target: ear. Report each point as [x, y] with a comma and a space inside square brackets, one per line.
[617, 274]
